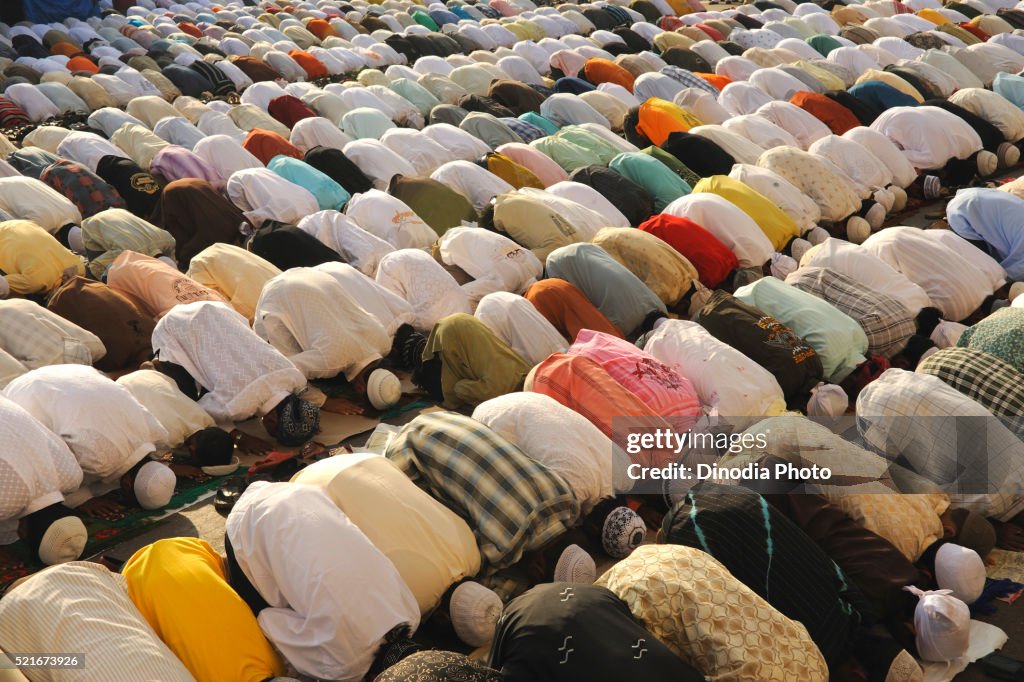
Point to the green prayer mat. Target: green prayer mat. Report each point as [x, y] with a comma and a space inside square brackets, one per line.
[18, 561]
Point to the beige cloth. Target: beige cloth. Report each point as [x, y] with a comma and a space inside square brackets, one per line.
[10, 368]
[81, 607]
[663, 269]
[140, 144]
[307, 315]
[234, 273]
[710, 619]
[538, 227]
[177, 413]
[910, 522]
[429, 545]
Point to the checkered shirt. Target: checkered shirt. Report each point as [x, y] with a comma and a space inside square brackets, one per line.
[513, 503]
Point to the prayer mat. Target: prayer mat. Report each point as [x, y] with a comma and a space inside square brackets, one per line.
[16, 560]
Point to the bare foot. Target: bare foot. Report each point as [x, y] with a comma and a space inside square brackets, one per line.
[100, 508]
[342, 406]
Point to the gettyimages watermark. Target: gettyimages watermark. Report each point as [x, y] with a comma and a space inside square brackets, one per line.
[977, 458]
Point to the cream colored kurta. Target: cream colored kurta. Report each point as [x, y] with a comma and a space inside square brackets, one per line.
[177, 413]
[234, 273]
[430, 546]
[308, 317]
[96, 618]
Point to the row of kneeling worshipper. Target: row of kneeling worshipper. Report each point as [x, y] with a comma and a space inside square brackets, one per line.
[547, 217]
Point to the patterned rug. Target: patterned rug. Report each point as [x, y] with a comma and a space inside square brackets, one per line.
[17, 560]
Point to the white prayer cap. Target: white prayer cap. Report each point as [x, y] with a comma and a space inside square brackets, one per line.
[1016, 289]
[782, 265]
[961, 570]
[76, 240]
[858, 229]
[817, 235]
[168, 260]
[1008, 154]
[575, 566]
[154, 485]
[874, 217]
[798, 248]
[885, 198]
[5, 288]
[943, 625]
[383, 389]
[900, 198]
[827, 400]
[947, 333]
[987, 163]
[474, 611]
[63, 541]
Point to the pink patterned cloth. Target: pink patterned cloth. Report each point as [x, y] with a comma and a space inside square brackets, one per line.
[657, 385]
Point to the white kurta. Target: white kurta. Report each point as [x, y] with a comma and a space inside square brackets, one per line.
[180, 416]
[956, 291]
[31, 199]
[331, 603]
[309, 318]
[495, 262]
[781, 192]
[243, 374]
[391, 219]
[225, 155]
[36, 468]
[478, 184]
[107, 429]
[36, 337]
[585, 195]
[354, 244]
[886, 151]
[970, 253]
[913, 130]
[424, 284]
[557, 437]
[264, 195]
[726, 380]
[82, 607]
[519, 324]
[853, 159]
[391, 310]
[728, 223]
[868, 269]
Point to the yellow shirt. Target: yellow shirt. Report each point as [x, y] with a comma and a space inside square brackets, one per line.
[429, 545]
[33, 261]
[773, 221]
[663, 269]
[179, 586]
[234, 273]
